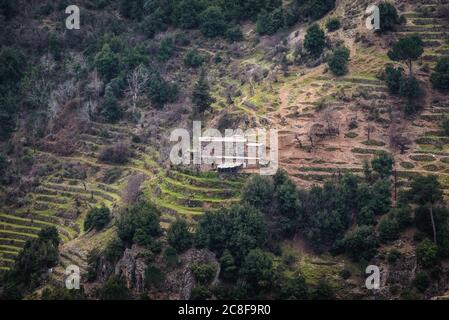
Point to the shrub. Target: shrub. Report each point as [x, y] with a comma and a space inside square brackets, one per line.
[93, 264]
[36, 257]
[383, 165]
[204, 273]
[361, 243]
[294, 287]
[270, 22]
[316, 9]
[12, 68]
[444, 125]
[3, 168]
[131, 9]
[179, 235]
[166, 49]
[234, 33]
[153, 23]
[366, 216]
[111, 109]
[9, 9]
[257, 269]
[186, 13]
[238, 229]
[161, 91]
[345, 274]
[258, 191]
[201, 97]
[139, 224]
[171, 257]
[440, 76]
[393, 256]
[118, 153]
[200, 293]
[193, 58]
[333, 24]
[394, 78]
[338, 61]
[410, 88]
[97, 218]
[212, 22]
[314, 41]
[107, 62]
[388, 16]
[114, 289]
[427, 254]
[154, 277]
[421, 281]
[323, 291]
[388, 229]
[228, 270]
[114, 250]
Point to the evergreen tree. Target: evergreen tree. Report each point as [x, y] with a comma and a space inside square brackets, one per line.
[338, 61]
[440, 77]
[407, 50]
[315, 41]
[388, 16]
[212, 22]
[179, 235]
[111, 109]
[427, 191]
[201, 97]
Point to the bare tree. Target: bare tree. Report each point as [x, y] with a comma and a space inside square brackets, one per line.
[401, 142]
[369, 130]
[332, 122]
[316, 133]
[137, 82]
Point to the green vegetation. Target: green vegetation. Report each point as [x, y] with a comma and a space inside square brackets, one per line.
[427, 254]
[193, 58]
[201, 97]
[333, 24]
[37, 256]
[97, 218]
[388, 17]
[12, 69]
[361, 243]
[114, 289]
[407, 50]
[179, 235]
[204, 273]
[111, 109]
[338, 61]
[212, 22]
[314, 41]
[440, 77]
[139, 224]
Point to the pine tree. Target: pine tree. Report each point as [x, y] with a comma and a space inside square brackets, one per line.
[201, 97]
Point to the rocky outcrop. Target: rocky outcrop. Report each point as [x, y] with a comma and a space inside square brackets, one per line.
[181, 281]
[131, 267]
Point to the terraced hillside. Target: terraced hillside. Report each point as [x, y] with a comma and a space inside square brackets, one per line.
[366, 117]
[70, 185]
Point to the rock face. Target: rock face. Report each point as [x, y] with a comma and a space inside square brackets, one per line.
[131, 267]
[179, 280]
